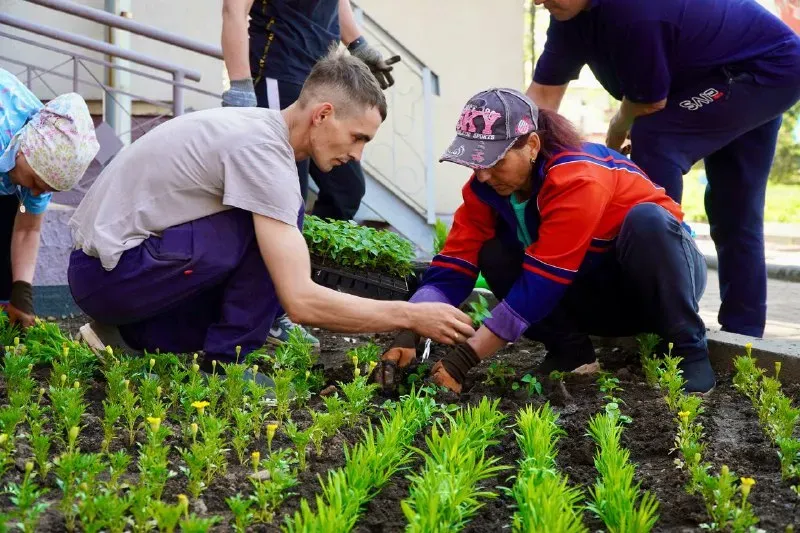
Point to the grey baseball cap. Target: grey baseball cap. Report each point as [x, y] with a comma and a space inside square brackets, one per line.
[489, 125]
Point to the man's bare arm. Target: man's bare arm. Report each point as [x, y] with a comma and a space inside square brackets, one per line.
[235, 42]
[348, 27]
[286, 256]
[547, 96]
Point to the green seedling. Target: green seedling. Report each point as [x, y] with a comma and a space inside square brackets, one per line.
[258, 404]
[25, 498]
[40, 442]
[499, 374]
[370, 464]
[10, 418]
[615, 498]
[243, 426]
[104, 512]
[727, 512]
[234, 387]
[242, 514]
[153, 462]
[283, 388]
[359, 393]
[545, 502]
[150, 392]
[446, 494]
[118, 463]
[324, 426]
[647, 346]
[72, 470]
[131, 410]
[68, 408]
[479, 311]
[671, 381]
[529, 384]
[195, 524]
[167, 516]
[350, 245]
[269, 494]
[300, 439]
[112, 412]
[364, 355]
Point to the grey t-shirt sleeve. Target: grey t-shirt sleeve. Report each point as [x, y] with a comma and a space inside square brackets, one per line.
[262, 178]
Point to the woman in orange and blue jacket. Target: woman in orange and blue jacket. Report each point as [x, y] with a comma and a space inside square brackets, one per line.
[572, 238]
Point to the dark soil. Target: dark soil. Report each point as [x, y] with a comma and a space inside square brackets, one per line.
[732, 432]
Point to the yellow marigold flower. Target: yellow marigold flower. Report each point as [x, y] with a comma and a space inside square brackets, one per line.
[255, 369]
[193, 429]
[255, 457]
[357, 372]
[152, 363]
[195, 368]
[154, 422]
[16, 341]
[194, 357]
[271, 429]
[77, 384]
[73, 432]
[372, 365]
[747, 484]
[63, 379]
[355, 360]
[200, 406]
[110, 351]
[670, 345]
[159, 390]
[777, 369]
[684, 414]
[3, 438]
[214, 364]
[183, 501]
[28, 467]
[724, 471]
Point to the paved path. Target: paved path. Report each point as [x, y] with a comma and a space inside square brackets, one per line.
[783, 307]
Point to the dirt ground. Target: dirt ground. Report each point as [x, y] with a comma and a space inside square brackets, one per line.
[732, 432]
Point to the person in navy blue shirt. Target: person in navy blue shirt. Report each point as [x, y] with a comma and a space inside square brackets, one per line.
[269, 58]
[698, 79]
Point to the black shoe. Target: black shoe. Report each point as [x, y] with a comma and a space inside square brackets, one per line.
[579, 359]
[699, 376]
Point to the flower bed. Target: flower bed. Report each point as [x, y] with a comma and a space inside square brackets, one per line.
[190, 434]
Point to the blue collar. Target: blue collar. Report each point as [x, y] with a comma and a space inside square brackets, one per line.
[8, 159]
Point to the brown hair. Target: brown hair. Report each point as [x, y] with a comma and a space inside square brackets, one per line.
[346, 82]
[556, 133]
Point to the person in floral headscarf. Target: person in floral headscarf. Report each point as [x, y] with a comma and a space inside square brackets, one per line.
[43, 148]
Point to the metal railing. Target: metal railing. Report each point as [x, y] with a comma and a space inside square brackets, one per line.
[402, 155]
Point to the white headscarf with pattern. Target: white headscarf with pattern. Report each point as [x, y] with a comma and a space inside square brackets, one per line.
[59, 142]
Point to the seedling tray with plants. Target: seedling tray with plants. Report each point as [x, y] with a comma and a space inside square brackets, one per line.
[153, 444]
[359, 260]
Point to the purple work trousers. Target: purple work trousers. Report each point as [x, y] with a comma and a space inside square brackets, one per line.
[201, 285]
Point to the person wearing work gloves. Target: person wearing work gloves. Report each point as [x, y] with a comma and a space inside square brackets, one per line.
[572, 237]
[698, 79]
[200, 250]
[43, 148]
[268, 69]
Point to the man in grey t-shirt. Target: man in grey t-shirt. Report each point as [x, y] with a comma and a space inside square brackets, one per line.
[190, 239]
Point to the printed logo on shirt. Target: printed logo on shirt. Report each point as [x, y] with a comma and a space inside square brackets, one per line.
[467, 126]
[704, 98]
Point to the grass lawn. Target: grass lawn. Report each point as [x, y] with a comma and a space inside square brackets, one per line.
[783, 201]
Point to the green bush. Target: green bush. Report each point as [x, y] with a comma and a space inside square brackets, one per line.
[349, 245]
[786, 166]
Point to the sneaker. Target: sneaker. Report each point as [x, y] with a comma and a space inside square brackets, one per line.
[279, 332]
[699, 376]
[99, 336]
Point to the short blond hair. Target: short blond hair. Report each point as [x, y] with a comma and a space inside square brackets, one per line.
[345, 81]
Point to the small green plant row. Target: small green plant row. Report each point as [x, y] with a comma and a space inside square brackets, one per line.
[212, 412]
[725, 496]
[446, 494]
[777, 416]
[350, 245]
[615, 498]
[544, 499]
[369, 466]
